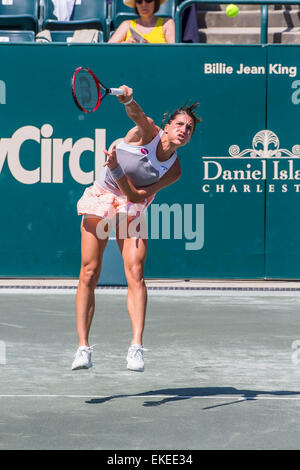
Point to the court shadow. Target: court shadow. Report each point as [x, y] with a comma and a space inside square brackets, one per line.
[168, 395]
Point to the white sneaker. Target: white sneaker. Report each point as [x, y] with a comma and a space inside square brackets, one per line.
[135, 358]
[83, 358]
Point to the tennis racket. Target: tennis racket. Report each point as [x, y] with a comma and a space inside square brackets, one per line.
[87, 90]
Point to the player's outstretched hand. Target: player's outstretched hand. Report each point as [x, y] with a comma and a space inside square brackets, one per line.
[128, 93]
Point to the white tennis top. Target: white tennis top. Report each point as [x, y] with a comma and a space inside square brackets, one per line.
[139, 162]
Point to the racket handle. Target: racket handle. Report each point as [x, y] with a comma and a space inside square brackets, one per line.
[116, 91]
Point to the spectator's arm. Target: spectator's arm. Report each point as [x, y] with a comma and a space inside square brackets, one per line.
[120, 33]
[169, 30]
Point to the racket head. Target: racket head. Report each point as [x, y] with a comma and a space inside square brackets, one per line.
[86, 90]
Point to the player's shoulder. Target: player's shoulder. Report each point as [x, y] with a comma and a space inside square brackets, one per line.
[136, 136]
[149, 127]
[155, 129]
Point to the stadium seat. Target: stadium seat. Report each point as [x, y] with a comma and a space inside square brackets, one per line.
[19, 15]
[120, 12]
[17, 36]
[87, 14]
[66, 36]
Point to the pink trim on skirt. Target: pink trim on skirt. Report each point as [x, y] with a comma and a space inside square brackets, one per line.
[99, 202]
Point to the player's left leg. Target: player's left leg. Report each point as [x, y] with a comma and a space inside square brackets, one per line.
[134, 252]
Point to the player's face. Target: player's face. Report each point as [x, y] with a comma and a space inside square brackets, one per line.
[180, 130]
[145, 8]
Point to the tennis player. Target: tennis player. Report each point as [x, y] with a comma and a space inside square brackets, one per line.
[142, 164]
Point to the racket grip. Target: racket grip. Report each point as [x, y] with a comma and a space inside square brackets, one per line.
[116, 91]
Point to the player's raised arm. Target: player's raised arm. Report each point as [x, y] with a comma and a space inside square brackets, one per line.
[136, 114]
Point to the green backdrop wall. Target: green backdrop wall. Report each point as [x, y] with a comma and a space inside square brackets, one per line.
[245, 221]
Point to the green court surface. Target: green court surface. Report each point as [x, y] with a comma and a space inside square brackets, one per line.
[221, 372]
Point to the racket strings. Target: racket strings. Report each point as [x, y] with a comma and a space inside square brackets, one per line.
[87, 91]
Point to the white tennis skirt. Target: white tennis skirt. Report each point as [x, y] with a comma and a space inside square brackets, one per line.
[98, 202]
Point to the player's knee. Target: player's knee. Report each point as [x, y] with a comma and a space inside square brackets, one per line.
[89, 275]
[135, 274]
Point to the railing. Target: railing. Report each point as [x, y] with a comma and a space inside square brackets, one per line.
[264, 13]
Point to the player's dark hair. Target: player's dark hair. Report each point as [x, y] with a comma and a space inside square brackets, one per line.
[156, 7]
[189, 110]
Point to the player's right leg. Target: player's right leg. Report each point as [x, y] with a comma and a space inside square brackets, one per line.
[92, 249]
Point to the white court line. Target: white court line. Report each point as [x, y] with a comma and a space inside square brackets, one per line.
[158, 292]
[100, 397]
[11, 325]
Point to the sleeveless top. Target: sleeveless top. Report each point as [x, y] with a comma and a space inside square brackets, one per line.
[155, 36]
[139, 162]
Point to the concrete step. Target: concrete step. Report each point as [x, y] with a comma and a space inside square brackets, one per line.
[215, 7]
[248, 35]
[285, 18]
[213, 19]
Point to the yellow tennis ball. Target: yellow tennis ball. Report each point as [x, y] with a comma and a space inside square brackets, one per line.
[232, 10]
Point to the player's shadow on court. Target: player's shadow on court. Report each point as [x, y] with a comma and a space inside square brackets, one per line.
[168, 395]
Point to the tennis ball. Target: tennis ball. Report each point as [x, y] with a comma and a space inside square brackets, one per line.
[232, 10]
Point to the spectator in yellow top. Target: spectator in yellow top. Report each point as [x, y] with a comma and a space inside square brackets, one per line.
[151, 28]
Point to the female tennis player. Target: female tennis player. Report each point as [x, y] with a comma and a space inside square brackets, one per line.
[142, 164]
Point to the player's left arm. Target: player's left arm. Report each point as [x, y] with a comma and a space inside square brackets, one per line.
[170, 177]
[135, 194]
[125, 185]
